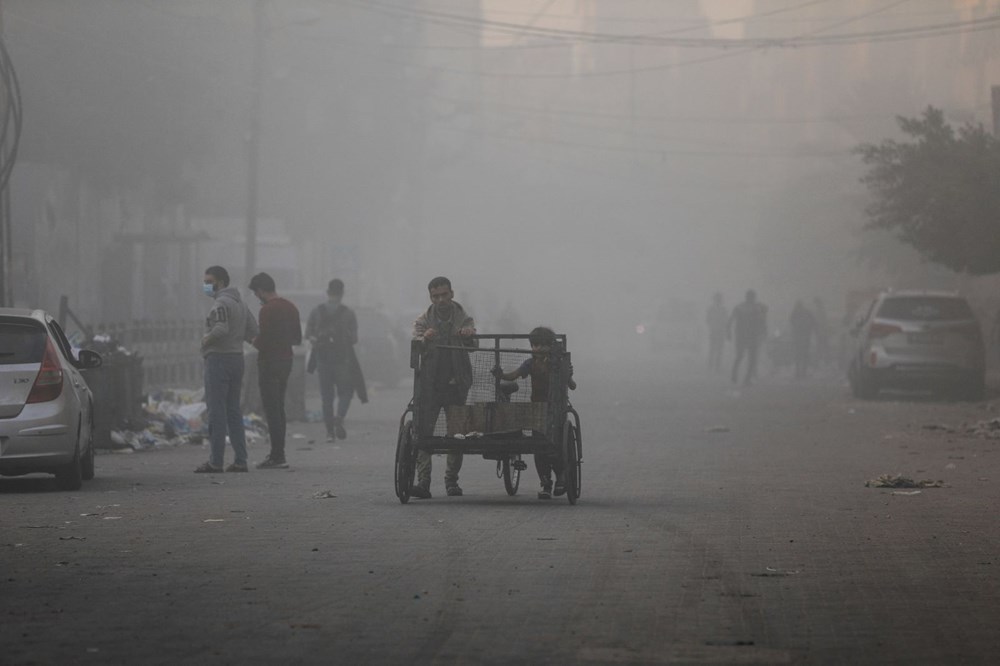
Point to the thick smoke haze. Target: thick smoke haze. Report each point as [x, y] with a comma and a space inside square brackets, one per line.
[587, 164]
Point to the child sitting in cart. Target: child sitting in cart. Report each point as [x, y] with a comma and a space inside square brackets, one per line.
[542, 341]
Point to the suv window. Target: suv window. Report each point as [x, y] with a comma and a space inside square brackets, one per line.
[925, 308]
[21, 343]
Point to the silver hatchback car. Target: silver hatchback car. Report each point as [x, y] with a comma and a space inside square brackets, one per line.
[918, 339]
[46, 408]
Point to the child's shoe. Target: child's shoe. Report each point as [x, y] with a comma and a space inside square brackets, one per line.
[560, 488]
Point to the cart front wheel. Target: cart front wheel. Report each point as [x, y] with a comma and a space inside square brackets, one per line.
[572, 458]
[512, 467]
[406, 462]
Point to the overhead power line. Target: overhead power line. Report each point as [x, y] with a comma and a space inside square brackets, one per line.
[809, 38]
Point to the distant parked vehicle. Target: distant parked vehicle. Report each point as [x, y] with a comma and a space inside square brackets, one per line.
[918, 339]
[46, 407]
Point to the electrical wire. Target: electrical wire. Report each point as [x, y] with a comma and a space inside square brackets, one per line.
[751, 45]
[10, 132]
[657, 39]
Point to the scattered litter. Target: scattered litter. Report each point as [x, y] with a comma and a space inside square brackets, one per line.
[950, 466]
[989, 429]
[717, 428]
[937, 426]
[171, 417]
[214, 520]
[72, 538]
[112, 517]
[770, 572]
[906, 492]
[900, 481]
[298, 435]
[40, 527]
[546, 539]
[324, 494]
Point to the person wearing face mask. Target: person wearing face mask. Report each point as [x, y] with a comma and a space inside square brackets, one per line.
[229, 324]
[280, 330]
[332, 330]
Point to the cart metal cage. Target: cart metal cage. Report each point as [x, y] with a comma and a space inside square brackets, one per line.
[467, 408]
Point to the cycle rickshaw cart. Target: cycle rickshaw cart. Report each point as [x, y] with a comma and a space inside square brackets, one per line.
[495, 419]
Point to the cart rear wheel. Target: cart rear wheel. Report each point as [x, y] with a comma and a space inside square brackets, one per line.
[406, 459]
[572, 457]
[511, 473]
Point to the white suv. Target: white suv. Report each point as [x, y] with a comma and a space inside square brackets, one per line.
[918, 339]
[46, 408]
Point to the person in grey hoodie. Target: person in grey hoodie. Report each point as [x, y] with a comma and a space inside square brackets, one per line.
[227, 327]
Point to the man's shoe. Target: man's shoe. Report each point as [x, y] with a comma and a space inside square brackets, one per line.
[338, 428]
[237, 467]
[560, 488]
[208, 468]
[330, 439]
[454, 491]
[271, 463]
[419, 492]
[545, 493]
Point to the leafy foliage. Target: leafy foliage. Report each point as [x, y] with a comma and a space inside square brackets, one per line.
[938, 192]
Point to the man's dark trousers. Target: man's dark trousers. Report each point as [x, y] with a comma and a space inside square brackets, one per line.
[272, 377]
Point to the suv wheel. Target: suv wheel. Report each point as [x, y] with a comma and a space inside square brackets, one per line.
[866, 387]
[972, 389]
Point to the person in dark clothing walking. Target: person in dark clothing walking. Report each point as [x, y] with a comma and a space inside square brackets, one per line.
[747, 327]
[333, 331]
[280, 330]
[803, 326]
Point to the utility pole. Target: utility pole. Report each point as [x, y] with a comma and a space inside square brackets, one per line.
[996, 111]
[253, 160]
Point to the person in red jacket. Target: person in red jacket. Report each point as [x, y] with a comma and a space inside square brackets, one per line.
[280, 330]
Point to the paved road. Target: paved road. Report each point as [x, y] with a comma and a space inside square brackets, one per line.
[756, 545]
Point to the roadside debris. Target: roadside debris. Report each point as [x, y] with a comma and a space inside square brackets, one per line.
[937, 426]
[172, 417]
[324, 494]
[989, 429]
[900, 481]
[771, 572]
[906, 492]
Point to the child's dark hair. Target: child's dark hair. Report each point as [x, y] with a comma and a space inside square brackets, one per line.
[542, 336]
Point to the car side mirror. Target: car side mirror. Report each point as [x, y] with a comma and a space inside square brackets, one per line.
[89, 359]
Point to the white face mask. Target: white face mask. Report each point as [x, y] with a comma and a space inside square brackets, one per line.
[207, 289]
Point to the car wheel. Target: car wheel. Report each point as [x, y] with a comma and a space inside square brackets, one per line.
[70, 477]
[87, 463]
